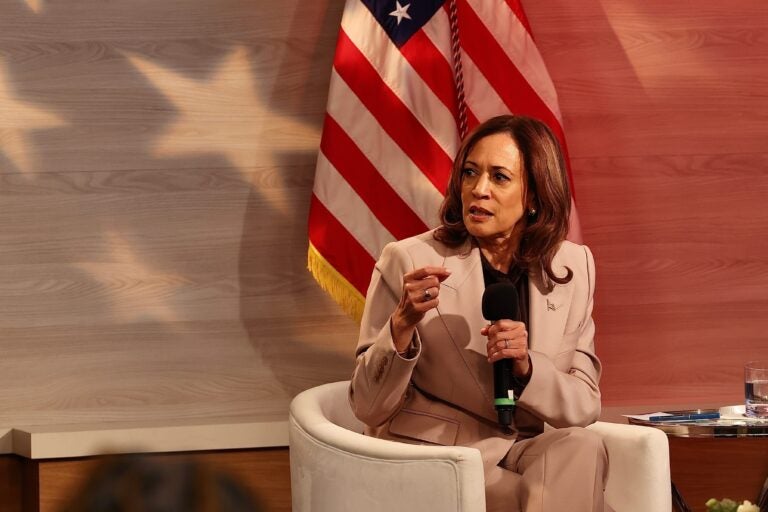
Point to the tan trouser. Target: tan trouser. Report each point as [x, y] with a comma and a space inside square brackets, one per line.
[560, 470]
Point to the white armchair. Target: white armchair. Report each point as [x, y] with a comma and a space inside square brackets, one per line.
[334, 468]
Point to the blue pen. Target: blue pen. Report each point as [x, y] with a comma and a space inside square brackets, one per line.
[687, 417]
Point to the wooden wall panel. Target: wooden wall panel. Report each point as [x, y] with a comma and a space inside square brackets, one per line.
[156, 163]
[664, 108]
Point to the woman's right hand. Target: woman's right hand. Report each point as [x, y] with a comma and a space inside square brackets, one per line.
[421, 288]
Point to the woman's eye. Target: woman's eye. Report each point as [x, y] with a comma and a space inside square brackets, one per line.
[467, 172]
[500, 176]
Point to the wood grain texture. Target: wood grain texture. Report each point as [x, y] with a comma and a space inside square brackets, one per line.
[653, 79]
[734, 468]
[156, 163]
[664, 109]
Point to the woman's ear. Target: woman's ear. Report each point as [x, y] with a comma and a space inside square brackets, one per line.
[530, 204]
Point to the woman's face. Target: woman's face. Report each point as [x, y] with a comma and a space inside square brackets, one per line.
[493, 188]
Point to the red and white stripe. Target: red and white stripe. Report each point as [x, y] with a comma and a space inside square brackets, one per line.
[390, 131]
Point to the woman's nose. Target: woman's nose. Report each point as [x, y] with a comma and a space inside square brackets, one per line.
[481, 186]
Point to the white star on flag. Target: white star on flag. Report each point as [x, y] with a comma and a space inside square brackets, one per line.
[401, 12]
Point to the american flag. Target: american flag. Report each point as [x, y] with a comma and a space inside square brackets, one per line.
[409, 79]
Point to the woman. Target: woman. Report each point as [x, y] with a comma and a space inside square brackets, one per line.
[424, 370]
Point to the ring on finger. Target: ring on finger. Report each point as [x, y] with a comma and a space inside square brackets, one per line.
[427, 295]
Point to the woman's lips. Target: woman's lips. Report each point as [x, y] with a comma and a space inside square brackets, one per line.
[478, 213]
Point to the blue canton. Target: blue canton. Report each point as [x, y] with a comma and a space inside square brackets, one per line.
[420, 12]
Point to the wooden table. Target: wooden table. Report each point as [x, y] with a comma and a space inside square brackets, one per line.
[715, 459]
[717, 467]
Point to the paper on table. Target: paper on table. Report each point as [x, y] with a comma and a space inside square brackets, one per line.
[733, 412]
[646, 417]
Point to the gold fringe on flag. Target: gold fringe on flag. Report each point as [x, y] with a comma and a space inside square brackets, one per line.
[330, 280]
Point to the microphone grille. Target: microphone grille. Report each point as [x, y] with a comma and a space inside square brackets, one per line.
[500, 301]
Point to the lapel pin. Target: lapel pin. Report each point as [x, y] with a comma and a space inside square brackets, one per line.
[552, 306]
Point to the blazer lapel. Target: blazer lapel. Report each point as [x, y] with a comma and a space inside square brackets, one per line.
[461, 297]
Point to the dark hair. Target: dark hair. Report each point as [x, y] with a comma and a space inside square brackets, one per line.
[546, 190]
[139, 483]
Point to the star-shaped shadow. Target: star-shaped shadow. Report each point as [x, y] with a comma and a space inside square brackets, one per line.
[164, 165]
[19, 119]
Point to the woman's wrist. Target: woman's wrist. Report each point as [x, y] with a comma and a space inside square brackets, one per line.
[401, 335]
[522, 369]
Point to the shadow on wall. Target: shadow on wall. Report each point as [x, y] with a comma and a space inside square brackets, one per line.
[288, 323]
[155, 173]
[284, 311]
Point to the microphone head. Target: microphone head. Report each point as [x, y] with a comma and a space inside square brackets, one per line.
[500, 301]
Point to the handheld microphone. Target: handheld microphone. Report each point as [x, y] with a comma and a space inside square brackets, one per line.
[500, 302]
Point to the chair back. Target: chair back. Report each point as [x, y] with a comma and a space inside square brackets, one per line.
[334, 468]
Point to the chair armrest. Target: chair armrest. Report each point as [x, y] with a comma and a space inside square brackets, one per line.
[638, 475]
[336, 469]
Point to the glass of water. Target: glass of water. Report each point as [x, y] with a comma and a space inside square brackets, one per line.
[756, 389]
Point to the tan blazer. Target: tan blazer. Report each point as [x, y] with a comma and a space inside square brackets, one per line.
[444, 393]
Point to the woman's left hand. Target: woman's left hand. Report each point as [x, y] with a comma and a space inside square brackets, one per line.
[508, 339]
